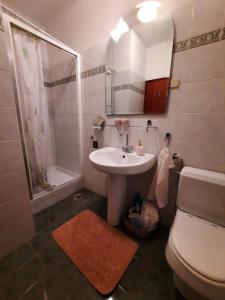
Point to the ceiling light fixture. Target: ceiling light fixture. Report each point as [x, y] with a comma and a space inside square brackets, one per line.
[120, 28]
[147, 11]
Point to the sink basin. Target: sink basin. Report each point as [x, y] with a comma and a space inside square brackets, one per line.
[115, 161]
[118, 164]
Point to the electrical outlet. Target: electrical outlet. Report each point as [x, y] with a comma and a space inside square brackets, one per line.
[174, 83]
[95, 144]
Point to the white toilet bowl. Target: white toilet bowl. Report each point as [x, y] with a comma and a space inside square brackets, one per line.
[196, 246]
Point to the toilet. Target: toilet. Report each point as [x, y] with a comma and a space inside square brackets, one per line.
[196, 246]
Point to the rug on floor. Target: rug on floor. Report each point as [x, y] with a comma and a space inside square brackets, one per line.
[101, 252]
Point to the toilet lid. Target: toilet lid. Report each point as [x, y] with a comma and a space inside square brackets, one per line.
[200, 244]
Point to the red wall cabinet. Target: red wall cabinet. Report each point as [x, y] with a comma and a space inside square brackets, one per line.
[156, 96]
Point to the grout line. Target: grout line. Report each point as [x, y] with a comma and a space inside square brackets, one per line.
[19, 267]
[6, 141]
[27, 290]
[4, 70]
[120, 287]
[11, 171]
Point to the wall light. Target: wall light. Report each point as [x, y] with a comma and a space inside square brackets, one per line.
[147, 11]
[120, 28]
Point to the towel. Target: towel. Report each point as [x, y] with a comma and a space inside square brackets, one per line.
[159, 187]
[98, 121]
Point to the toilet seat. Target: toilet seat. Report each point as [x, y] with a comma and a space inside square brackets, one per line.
[200, 275]
[200, 246]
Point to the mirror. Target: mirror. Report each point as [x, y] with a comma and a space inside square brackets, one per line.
[138, 76]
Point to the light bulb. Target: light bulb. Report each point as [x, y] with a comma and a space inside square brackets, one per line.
[146, 15]
[147, 11]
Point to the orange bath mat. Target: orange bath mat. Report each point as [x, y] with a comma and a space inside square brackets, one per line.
[101, 252]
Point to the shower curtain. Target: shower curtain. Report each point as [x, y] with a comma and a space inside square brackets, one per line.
[34, 106]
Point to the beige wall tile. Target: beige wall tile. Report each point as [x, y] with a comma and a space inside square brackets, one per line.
[217, 96]
[196, 64]
[214, 130]
[11, 156]
[188, 152]
[6, 89]
[191, 127]
[94, 85]
[94, 104]
[208, 16]
[95, 180]
[4, 63]
[181, 12]
[13, 184]
[64, 91]
[220, 65]
[67, 157]
[5, 247]
[211, 157]
[8, 125]
[18, 221]
[64, 107]
[191, 97]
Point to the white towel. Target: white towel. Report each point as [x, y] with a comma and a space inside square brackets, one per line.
[159, 187]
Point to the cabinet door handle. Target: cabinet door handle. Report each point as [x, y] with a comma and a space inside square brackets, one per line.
[157, 94]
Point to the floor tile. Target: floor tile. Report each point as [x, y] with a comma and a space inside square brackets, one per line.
[41, 270]
[14, 261]
[19, 282]
[36, 292]
[41, 241]
[141, 281]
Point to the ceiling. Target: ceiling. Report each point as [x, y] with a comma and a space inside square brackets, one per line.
[39, 11]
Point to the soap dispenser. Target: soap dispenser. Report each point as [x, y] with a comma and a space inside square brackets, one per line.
[139, 148]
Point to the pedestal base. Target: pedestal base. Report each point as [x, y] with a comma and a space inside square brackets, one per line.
[116, 191]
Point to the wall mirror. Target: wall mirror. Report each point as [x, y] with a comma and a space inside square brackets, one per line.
[138, 75]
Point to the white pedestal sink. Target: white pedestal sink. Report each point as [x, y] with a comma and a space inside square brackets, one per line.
[117, 165]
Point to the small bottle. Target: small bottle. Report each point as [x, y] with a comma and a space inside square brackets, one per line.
[139, 148]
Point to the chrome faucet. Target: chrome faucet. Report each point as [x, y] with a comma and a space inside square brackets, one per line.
[127, 148]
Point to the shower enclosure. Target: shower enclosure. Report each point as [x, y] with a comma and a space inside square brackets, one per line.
[47, 89]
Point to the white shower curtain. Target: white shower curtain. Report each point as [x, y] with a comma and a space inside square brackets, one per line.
[33, 105]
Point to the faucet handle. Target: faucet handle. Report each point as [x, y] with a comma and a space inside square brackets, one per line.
[130, 148]
[127, 149]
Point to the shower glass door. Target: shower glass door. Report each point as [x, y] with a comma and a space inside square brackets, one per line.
[48, 103]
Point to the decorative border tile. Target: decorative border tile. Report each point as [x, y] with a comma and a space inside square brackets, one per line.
[200, 40]
[223, 34]
[181, 46]
[127, 86]
[205, 39]
[60, 81]
[94, 71]
[85, 74]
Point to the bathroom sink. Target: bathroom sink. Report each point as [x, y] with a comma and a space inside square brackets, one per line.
[115, 161]
[118, 164]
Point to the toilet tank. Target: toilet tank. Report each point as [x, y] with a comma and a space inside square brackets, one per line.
[202, 193]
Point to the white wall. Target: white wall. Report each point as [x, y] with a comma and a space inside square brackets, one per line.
[137, 55]
[159, 60]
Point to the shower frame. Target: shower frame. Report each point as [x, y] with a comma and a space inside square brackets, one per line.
[22, 23]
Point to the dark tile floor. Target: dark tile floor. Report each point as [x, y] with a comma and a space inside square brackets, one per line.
[39, 270]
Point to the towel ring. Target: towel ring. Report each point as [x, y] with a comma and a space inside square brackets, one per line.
[168, 138]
